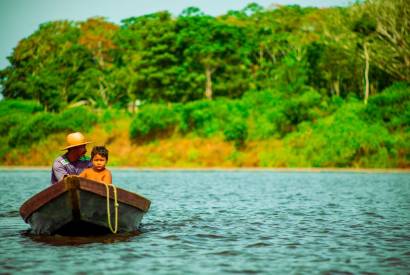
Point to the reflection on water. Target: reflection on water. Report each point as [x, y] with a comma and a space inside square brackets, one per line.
[60, 240]
[227, 222]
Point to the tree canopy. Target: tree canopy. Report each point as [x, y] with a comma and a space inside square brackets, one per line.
[360, 49]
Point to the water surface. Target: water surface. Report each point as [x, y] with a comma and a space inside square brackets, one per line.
[218, 222]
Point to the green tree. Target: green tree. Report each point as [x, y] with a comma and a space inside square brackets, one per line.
[215, 50]
[156, 65]
[390, 46]
[365, 26]
[35, 69]
[97, 35]
[47, 65]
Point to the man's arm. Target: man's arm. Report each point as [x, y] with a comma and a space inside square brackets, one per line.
[59, 171]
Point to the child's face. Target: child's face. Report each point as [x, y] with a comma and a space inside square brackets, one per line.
[99, 162]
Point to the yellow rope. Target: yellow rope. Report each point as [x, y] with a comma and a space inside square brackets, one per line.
[108, 208]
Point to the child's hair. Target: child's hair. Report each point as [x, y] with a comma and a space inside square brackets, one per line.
[100, 150]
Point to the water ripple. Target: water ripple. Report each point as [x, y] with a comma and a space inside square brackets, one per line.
[227, 222]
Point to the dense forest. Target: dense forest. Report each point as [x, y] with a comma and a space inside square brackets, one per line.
[282, 86]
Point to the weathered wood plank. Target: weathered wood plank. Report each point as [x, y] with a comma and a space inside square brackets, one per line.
[80, 201]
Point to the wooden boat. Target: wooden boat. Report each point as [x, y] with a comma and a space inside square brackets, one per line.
[78, 206]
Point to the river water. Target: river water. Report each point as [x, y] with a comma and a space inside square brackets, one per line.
[227, 222]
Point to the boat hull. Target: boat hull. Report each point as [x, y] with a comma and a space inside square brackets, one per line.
[78, 206]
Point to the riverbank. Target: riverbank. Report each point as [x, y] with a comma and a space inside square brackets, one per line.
[184, 153]
[324, 144]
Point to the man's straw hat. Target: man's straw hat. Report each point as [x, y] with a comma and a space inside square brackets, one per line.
[74, 140]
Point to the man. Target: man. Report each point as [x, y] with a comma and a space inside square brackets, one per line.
[74, 161]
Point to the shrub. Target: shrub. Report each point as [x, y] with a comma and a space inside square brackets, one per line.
[343, 140]
[236, 131]
[265, 113]
[14, 111]
[10, 121]
[275, 114]
[40, 125]
[35, 128]
[391, 107]
[207, 118]
[9, 106]
[153, 121]
[75, 119]
[195, 116]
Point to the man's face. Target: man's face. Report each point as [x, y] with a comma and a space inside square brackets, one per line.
[80, 151]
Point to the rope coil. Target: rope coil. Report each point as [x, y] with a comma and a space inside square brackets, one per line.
[108, 208]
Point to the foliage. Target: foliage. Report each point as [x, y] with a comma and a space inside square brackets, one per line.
[391, 107]
[276, 115]
[75, 119]
[236, 131]
[271, 113]
[207, 118]
[12, 106]
[159, 58]
[14, 112]
[290, 73]
[343, 140]
[27, 129]
[154, 121]
[390, 43]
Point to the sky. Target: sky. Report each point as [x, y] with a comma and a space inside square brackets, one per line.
[20, 18]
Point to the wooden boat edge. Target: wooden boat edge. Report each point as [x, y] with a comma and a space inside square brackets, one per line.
[123, 196]
[41, 198]
[76, 182]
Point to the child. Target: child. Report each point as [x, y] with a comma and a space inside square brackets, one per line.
[98, 172]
